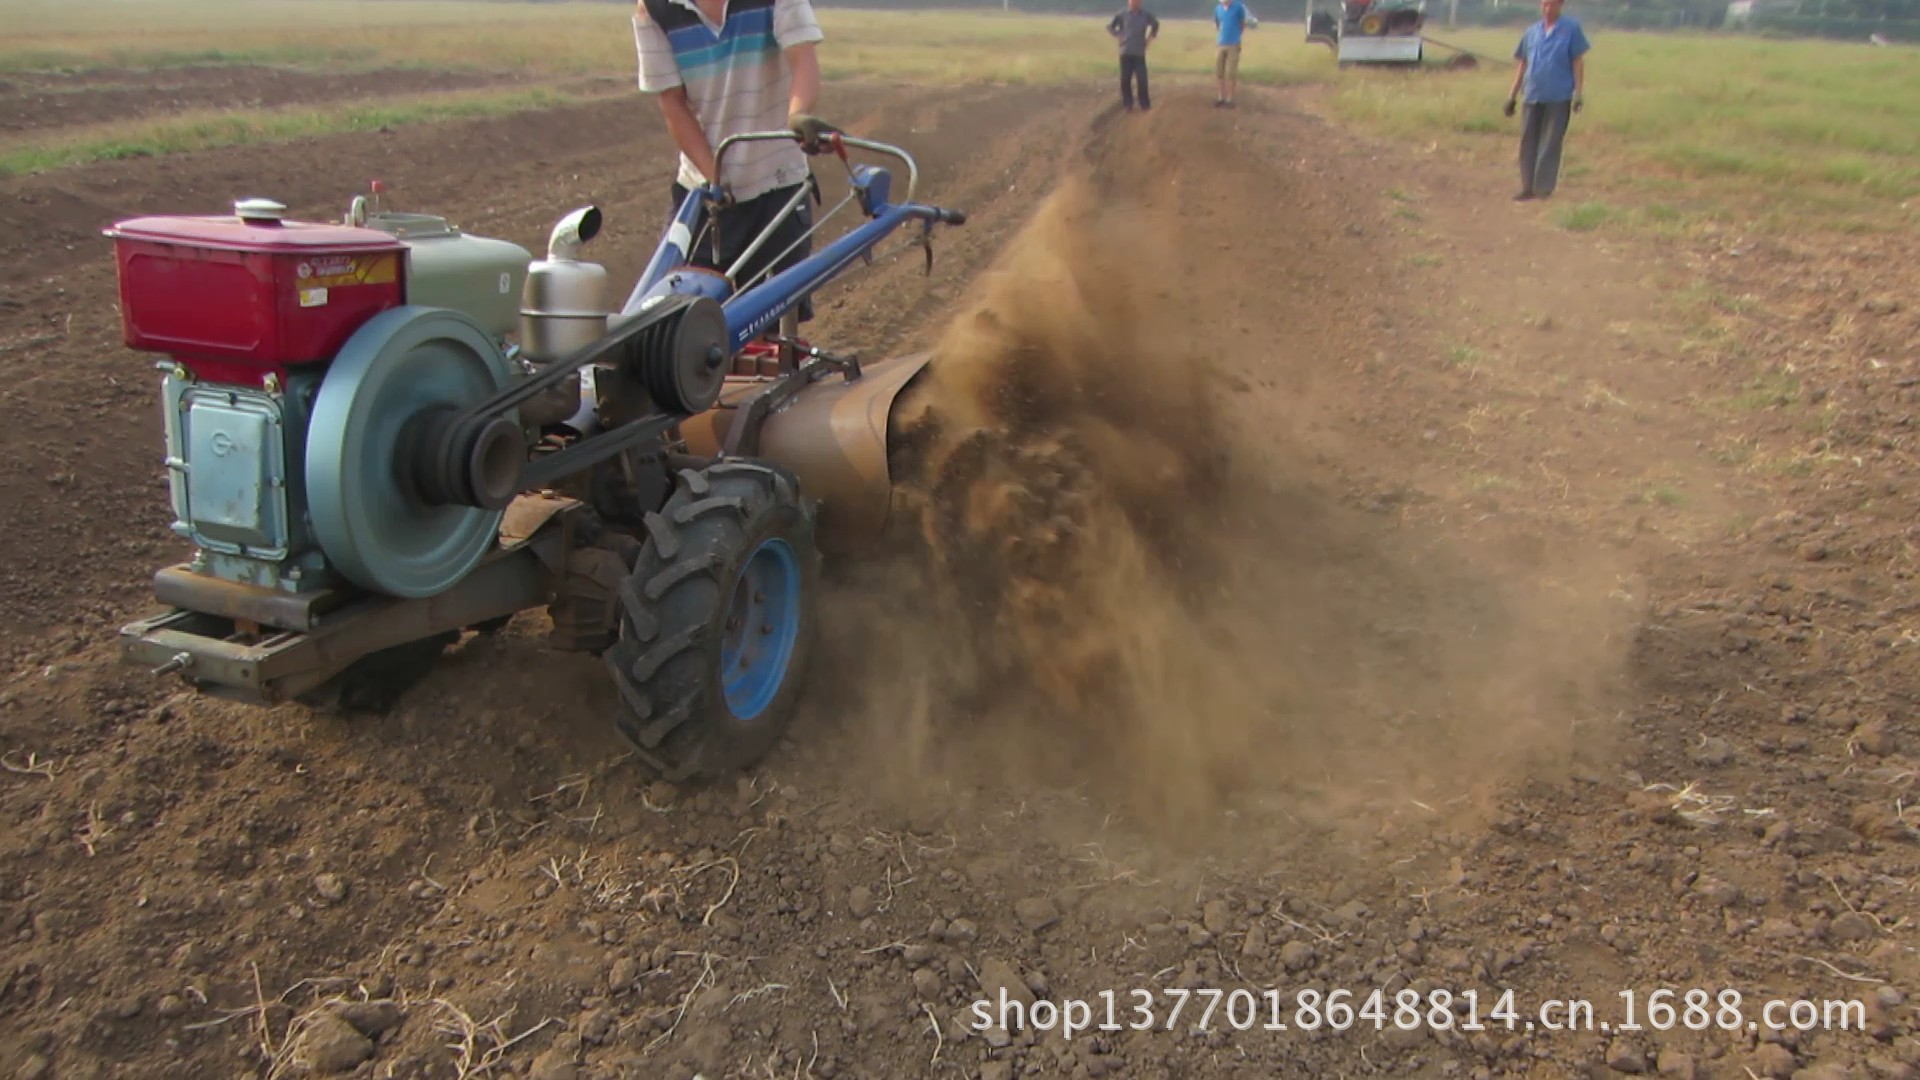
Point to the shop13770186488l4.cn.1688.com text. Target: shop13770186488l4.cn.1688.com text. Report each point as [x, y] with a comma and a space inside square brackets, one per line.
[1274, 1010]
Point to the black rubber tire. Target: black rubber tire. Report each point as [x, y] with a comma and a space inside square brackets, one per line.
[673, 607]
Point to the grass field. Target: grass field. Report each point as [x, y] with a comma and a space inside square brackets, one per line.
[1684, 127]
[1678, 130]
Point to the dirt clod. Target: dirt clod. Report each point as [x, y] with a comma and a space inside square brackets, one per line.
[1713, 752]
[371, 1018]
[1624, 1057]
[1852, 926]
[1296, 955]
[596, 1026]
[1036, 913]
[329, 1046]
[558, 1063]
[926, 983]
[1677, 1065]
[331, 888]
[1773, 1061]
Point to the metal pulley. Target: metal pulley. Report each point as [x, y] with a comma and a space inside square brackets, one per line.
[369, 482]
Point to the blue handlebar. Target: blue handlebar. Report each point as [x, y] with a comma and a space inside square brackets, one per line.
[750, 312]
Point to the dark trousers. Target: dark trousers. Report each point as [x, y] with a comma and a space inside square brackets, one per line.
[1542, 134]
[735, 227]
[1134, 69]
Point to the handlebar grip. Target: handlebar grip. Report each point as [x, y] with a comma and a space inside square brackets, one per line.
[953, 217]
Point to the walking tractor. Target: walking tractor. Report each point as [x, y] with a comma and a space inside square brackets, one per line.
[383, 432]
[1371, 31]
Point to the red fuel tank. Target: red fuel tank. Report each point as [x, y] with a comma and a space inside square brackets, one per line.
[236, 298]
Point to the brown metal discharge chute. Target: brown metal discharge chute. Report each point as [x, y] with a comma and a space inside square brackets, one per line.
[834, 438]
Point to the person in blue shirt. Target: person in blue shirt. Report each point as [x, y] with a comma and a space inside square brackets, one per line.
[1553, 74]
[1230, 18]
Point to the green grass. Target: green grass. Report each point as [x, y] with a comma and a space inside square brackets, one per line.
[120, 41]
[1661, 494]
[206, 130]
[1584, 217]
[1783, 133]
[1680, 130]
[118, 35]
[1773, 389]
[567, 38]
[1733, 449]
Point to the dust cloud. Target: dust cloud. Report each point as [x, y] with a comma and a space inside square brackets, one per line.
[1118, 583]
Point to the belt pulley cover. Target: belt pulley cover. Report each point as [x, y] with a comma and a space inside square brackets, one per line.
[369, 519]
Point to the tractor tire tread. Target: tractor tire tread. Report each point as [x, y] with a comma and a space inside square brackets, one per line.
[665, 540]
[586, 614]
[641, 619]
[672, 606]
[696, 481]
[649, 663]
[660, 765]
[632, 697]
[693, 511]
[655, 733]
[680, 570]
[734, 468]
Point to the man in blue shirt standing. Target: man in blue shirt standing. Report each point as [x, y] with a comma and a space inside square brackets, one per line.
[1230, 17]
[1553, 73]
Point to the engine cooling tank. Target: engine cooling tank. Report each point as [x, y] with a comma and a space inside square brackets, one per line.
[475, 275]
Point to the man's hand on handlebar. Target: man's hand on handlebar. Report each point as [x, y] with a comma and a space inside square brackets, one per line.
[810, 130]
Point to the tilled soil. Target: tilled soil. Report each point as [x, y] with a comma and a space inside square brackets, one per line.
[1446, 603]
[32, 102]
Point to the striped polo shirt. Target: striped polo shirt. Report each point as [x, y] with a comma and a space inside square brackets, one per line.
[736, 81]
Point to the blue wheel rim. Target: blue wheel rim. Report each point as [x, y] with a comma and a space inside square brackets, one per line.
[762, 628]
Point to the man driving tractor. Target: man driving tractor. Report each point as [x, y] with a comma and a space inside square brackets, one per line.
[726, 67]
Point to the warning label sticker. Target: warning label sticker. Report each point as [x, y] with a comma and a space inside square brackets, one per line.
[337, 270]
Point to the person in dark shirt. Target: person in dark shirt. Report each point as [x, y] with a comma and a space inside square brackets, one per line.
[1135, 28]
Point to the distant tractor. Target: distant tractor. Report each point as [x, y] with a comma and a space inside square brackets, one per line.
[1372, 31]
